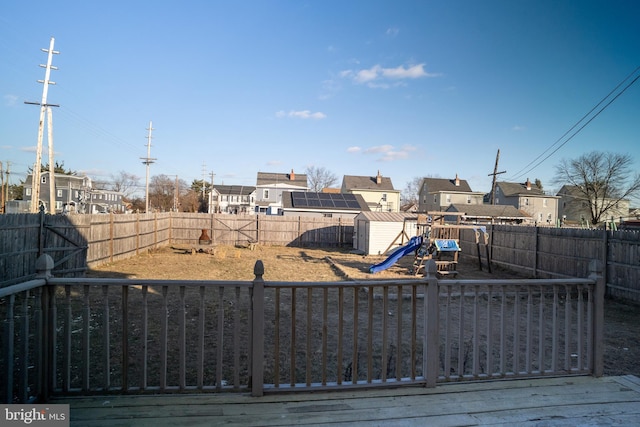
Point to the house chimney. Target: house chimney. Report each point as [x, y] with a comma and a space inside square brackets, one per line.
[528, 184]
[292, 176]
[379, 178]
[457, 181]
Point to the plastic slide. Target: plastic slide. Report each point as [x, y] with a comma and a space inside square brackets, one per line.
[414, 243]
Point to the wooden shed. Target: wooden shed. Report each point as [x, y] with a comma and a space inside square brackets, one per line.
[377, 232]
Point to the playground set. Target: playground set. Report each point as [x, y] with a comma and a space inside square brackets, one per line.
[435, 240]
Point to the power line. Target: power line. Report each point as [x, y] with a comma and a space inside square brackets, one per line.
[525, 171]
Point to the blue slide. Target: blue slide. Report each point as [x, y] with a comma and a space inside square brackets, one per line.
[414, 243]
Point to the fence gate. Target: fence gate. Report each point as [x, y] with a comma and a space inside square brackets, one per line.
[234, 230]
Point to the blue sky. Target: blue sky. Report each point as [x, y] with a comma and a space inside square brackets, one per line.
[409, 88]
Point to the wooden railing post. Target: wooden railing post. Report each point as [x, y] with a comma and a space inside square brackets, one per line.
[431, 352]
[596, 273]
[257, 331]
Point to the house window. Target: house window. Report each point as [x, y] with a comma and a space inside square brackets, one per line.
[28, 191]
[469, 199]
[526, 201]
[59, 193]
[544, 202]
[448, 198]
[43, 179]
[327, 215]
[384, 197]
[435, 198]
[265, 194]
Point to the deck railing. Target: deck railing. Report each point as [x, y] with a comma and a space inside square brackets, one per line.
[94, 336]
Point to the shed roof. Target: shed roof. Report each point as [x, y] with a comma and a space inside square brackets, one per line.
[386, 216]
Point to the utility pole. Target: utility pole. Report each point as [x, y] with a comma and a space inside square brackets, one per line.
[211, 192]
[495, 174]
[176, 196]
[204, 175]
[52, 168]
[148, 161]
[35, 179]
[2, 204]
[6, 196]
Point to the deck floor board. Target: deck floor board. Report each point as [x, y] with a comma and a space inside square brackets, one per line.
[569, 401]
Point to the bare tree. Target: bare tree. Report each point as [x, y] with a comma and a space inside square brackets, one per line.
[319, 178]
[125, 183]
[600, 179]
[411, 191]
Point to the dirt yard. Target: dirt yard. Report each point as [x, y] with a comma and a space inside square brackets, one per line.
[622, 321]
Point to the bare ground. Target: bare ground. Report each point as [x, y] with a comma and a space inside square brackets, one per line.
[622, 320]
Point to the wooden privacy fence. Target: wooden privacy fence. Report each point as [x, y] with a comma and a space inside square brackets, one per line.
[66, 336]
[77, 242]
[547, 252]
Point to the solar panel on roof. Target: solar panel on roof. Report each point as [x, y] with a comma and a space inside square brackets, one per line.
[327, 203]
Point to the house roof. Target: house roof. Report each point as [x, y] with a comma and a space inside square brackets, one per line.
[269, 178]
[234, 190]
[510, 189]
[436, 185]
[353, 182]
[312, 201]
[489, 211]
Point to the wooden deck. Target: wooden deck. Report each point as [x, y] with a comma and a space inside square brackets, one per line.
[573, 401]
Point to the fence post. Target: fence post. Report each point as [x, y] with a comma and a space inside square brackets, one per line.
[595, 273]
[257, 348]
[431, 352]
[44, 266]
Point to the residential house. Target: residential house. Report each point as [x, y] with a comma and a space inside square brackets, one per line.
[269, 188]
[324, 205]
[234, 199]
[74, 194]
[377, 191]
[575, 208]
[437, 194]
[542, 208]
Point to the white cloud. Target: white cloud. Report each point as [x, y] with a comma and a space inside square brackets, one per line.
[517, 128]
[10, 100]
[354, 149]
[274, 163]
[303, 114]
[377, 73]
[392, 31]
[379, 149]
[389, 153]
